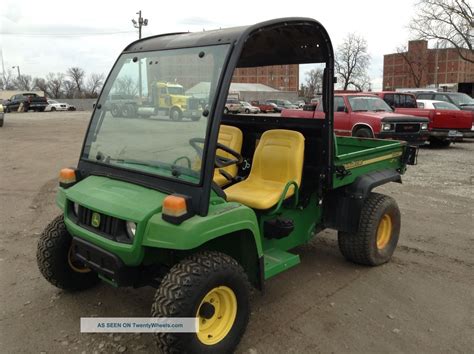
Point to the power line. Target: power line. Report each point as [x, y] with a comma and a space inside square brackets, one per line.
[63, 34]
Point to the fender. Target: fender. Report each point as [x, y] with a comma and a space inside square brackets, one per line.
[343, 206]
[359, 124]
[222, 219]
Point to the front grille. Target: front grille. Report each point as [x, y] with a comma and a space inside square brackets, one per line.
[104, 225]
[193, 103]
[407, 127]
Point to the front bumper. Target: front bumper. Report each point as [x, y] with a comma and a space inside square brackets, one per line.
[418, 138]
[108, 265]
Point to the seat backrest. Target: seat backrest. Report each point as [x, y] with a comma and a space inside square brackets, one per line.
[279, 156]
[231, 137]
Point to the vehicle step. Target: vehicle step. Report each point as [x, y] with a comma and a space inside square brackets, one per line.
[276, 261]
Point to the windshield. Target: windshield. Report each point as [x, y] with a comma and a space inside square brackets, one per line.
[445, 105]
[150, 114]
[368, 103]
[461, 99]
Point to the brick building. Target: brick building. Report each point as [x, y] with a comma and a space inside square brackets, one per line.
[280, 77]
[422, 67]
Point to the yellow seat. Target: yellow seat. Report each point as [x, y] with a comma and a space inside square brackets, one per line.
[232, 137]
[278, 159]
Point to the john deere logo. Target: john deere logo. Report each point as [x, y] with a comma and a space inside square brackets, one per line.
[95, 220]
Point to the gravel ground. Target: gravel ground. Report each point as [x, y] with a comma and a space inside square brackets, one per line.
[419, 302]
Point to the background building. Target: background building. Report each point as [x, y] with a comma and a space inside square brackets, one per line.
[280, 77]
[422, 67]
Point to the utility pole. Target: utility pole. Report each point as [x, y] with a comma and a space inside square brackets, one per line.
[18, 69]
[139, 24]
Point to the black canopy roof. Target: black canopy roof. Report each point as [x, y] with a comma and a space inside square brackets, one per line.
[279, 41]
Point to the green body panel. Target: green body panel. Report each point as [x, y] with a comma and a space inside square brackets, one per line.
[142, 205]
[277, 261]
[362, 156]
[223, 218]
[305, 220]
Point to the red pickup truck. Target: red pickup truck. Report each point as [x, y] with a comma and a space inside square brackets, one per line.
[367, 116]
[264, 107]
[447, 122]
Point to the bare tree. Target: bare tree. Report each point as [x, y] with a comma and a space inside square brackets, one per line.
[77, 76]
[313, 83]
[55, 84]
[24, 82]
[448, 21]
[69, 88]
[94, 84]
[352, 62]
[125, 86]
[41, 84]
[415, 64]
[7, 82]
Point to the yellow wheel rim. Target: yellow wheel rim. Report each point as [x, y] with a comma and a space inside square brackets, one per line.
[384, 231]
[216, 315]
[75, 266]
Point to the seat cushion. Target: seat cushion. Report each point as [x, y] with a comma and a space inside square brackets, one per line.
[278, 159]
[259, 194]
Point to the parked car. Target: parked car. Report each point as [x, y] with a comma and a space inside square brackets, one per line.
[264, 107]
[398, 99]
[232, 106]
[459, 99]
[31, 101]
[246, 107]
[447, 122]
[282, 104]
[300, 103]
[59, 106]
[367, 116]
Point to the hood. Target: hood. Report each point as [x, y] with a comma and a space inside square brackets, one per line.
[119, 199]
[393, 117]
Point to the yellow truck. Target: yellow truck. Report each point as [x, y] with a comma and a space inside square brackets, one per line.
[164, 99]
[172, 99]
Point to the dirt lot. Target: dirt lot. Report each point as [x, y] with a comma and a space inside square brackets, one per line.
[420, 302]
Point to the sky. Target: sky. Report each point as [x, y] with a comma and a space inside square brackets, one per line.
[51, 36]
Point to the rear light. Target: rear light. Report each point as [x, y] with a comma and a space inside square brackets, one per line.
[67, 177]
[176, 208]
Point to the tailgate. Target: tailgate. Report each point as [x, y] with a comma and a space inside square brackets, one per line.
[451, 120]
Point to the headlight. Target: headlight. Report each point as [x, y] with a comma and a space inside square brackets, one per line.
[75, 207]
[131, 229]
[424, 126]
[386, 126]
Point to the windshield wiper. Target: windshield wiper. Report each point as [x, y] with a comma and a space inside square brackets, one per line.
[466, 104]
[380, 110]
[175, 170]
[359, 110]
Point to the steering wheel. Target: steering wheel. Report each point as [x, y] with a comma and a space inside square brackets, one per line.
[220, 161]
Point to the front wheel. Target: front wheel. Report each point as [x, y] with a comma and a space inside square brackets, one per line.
[56, 261]
[363, 133]
[377, 237]
[212, 287]
[53, 109]
[176, 114]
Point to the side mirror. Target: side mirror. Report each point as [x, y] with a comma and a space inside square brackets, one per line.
[93, 105]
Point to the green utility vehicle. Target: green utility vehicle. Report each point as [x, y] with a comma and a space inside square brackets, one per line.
[202, 210]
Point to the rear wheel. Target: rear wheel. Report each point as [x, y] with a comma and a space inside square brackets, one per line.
[56, 261]
[212, 287]
[363, 133]
[377, 237]
[247, 110]
[115, 111]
